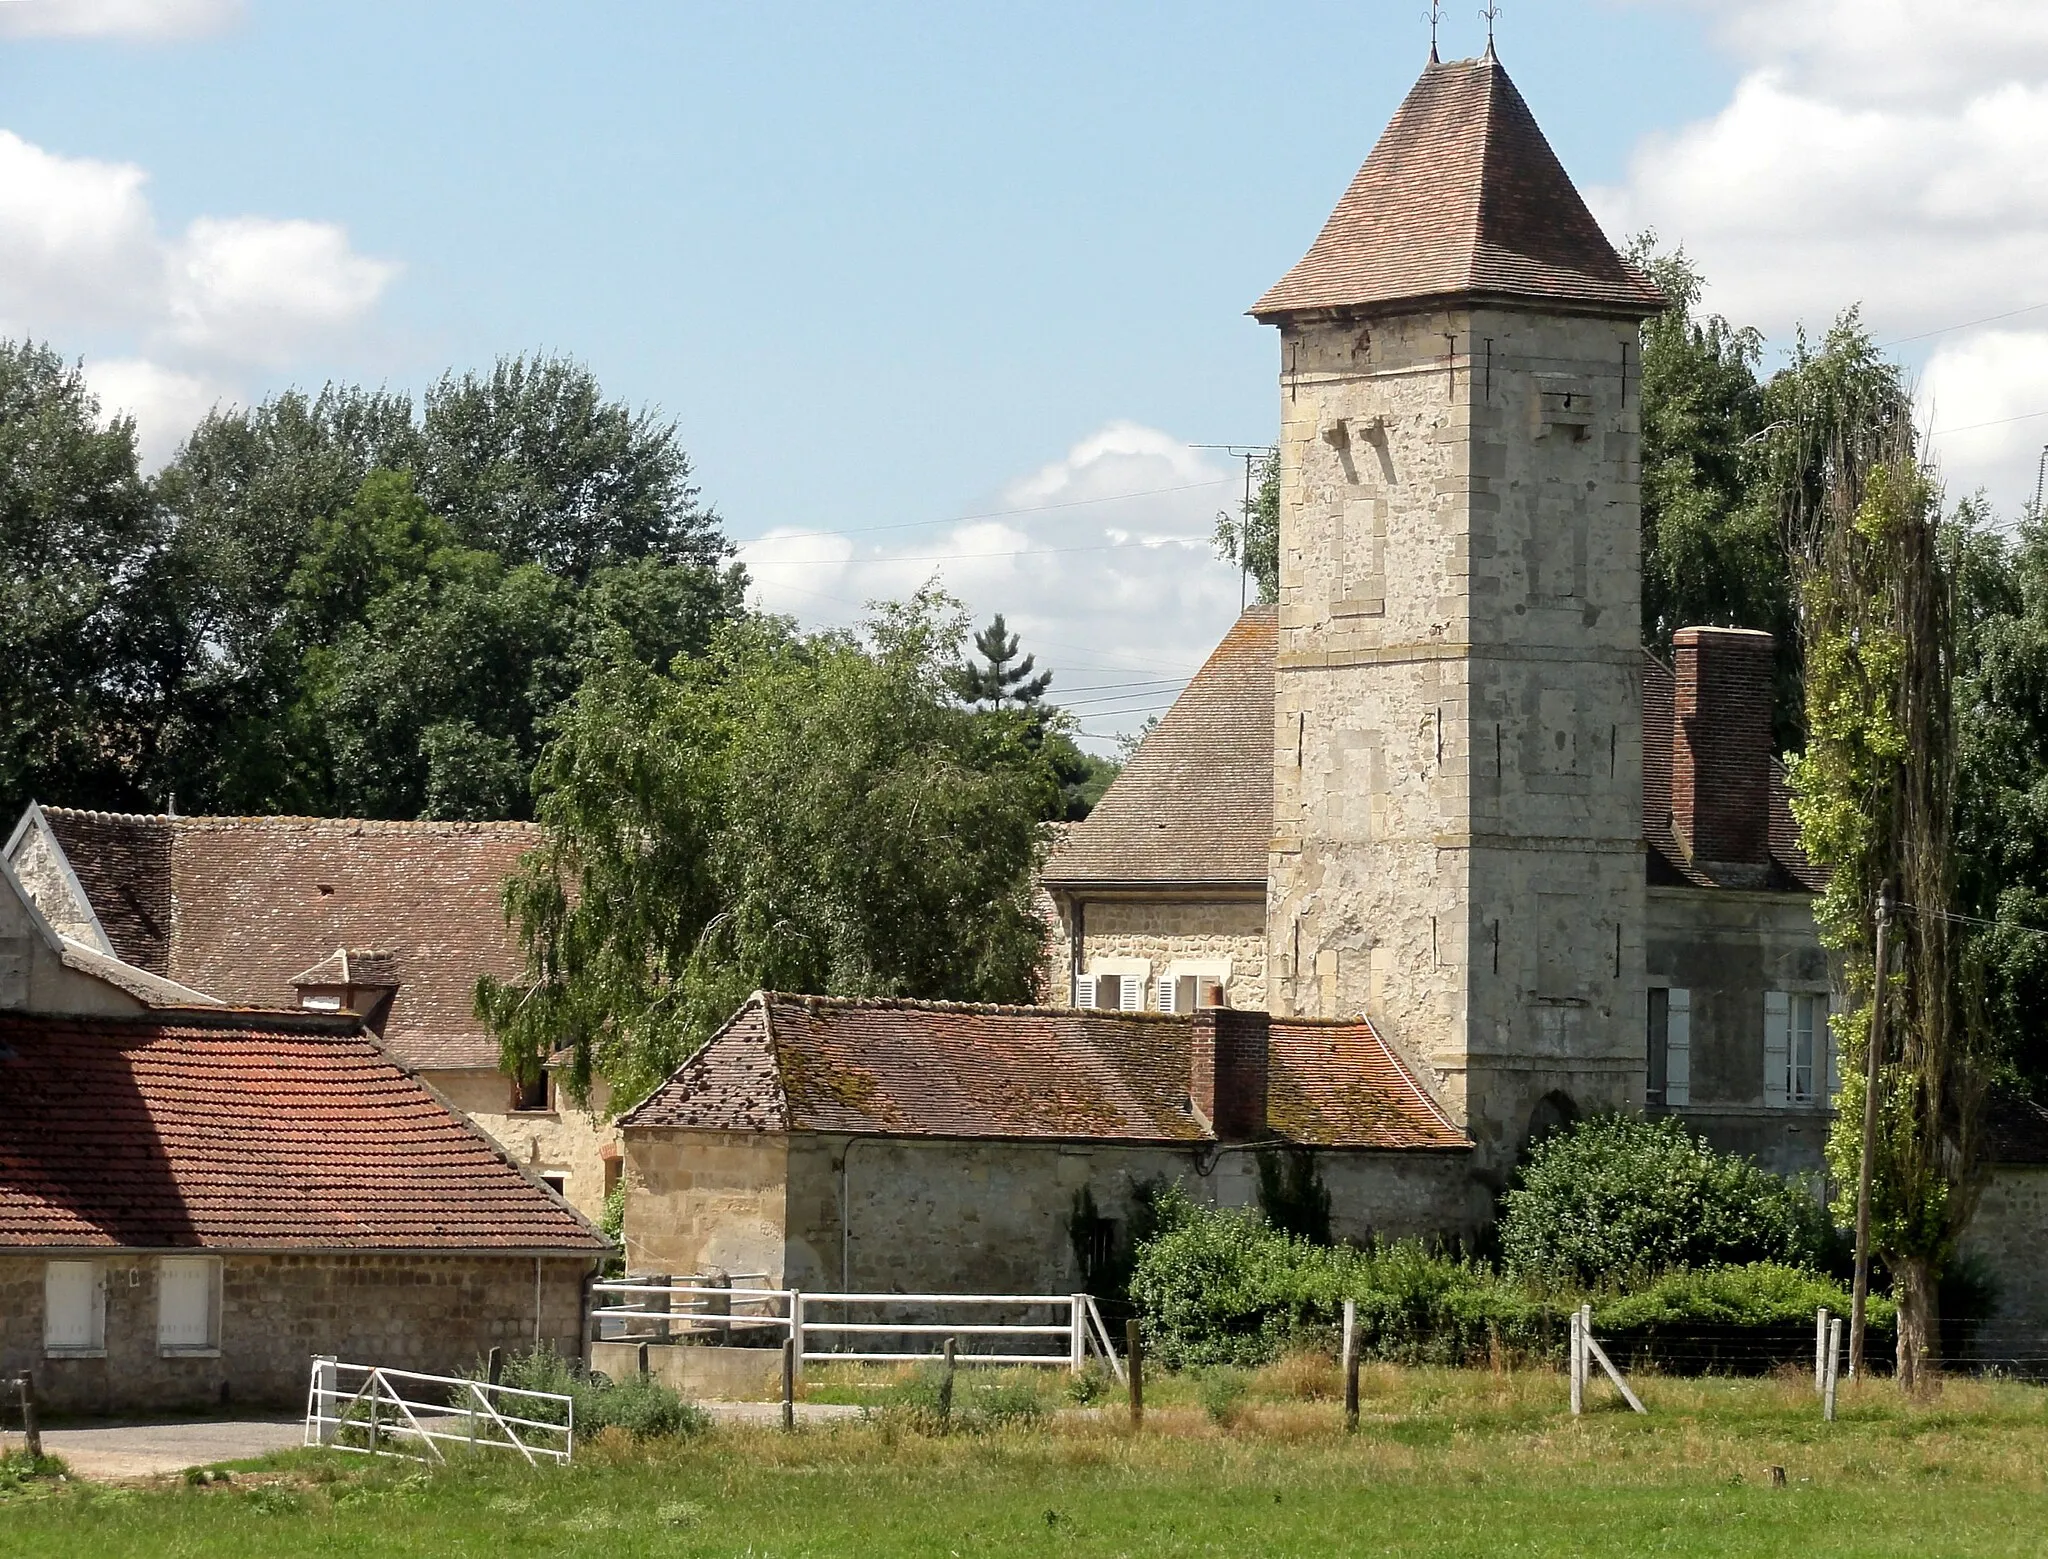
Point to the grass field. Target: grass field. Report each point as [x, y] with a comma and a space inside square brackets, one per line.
[1445, 1462]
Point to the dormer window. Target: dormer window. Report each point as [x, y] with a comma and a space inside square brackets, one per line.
[1114, 985]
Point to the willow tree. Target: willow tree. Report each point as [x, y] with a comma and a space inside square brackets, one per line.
[1874, 793]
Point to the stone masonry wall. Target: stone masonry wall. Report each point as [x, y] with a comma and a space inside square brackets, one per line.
[2007, 1236]
[1458, 742]
[996, 1217]
[437, 1314]
[562, 1139]
[703, 1201]
[1727, 948]
[1166, 931]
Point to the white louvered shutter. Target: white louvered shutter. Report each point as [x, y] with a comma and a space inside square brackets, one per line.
[1133, 993]
[1826, 1039]
[1777, 1047]
[1678, 1049]
[1084, 990]
[184, 1315]
[1168, 988]
[71, 1305]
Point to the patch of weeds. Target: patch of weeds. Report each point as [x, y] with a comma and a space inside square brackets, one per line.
[273, 1501]
[1088, 1387]
[1223, 1392]
[996, 1403]
[681, 1513]
[20, 1467]
[203, 1477]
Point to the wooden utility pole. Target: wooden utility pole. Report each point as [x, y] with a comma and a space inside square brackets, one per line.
[1134, 1349]
[1350, 1364]
[1860, 1294]
[31, 1429]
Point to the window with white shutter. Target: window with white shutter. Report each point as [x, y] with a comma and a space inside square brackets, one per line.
[1084, 990]
[1133, 994]
[1678, 1049]
[1169, 994]
[1109, 991]
[74, 1308]
[187, 1304]
[1777, 1048]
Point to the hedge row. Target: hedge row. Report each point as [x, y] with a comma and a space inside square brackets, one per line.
[1225, 1287]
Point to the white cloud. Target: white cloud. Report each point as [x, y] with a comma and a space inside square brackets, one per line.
[151, 19]
[1106, 571]
[165, 404]
[81, 255]
[1892, 153]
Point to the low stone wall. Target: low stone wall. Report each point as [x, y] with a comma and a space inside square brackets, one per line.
[436, 1314]
[704, 1374]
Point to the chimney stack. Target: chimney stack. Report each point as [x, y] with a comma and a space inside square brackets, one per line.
[1722, 750]
[1227, 1072]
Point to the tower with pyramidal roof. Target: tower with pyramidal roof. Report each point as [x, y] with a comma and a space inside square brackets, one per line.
[1458, 830]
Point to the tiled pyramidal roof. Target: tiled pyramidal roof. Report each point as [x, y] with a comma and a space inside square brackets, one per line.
[1195, 803]
[240, 906]
[247, 1131]
[940, 1069]
[1461, 198]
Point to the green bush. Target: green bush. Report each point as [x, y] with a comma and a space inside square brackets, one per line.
[1226, 1287]
[642, 1406]
[1615, 1200]
[976, 1402]
[1761, 1294]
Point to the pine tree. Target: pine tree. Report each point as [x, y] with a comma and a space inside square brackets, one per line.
[1000, 682]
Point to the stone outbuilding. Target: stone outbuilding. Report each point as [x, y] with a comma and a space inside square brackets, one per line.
[196, 1199]
[394, 921]
[838, 1144]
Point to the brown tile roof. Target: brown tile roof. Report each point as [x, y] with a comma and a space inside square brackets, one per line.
[942, 1069]
[1195, 803]
[247, 1131]
[243, 905]
[1461, 198]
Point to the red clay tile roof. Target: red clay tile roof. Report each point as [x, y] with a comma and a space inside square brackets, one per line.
[1461, 198]
[247, 1131]
[1195, 803]
[944, 1069]
[239, 906]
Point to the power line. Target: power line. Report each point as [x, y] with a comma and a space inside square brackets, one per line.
[993, 514]
[1988, 319]
[969, 557]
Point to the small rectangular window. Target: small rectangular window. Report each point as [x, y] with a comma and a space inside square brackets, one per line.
[74, 1308]
[188, 1304]
[1109, 991]
[1797, 1046]
[1670, 1048]
[530, 1095]
[557, 1181]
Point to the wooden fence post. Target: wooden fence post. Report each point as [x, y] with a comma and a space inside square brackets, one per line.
[1574, 1365]
[31, 1430]
[946, 1382]
[1827, 1409]
[1350, 1362]
[788, 1383]
[1077, 1337]
[1820, 1350]
[1134, 1350]
[494, 1365]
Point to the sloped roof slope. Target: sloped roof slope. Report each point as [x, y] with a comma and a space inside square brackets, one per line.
[248, 1131]
[1461, 198]
[944, 1069]
[240, 906]
[1195, 803]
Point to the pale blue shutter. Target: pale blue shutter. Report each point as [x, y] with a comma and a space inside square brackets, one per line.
[1678, 1049]
[1777, 1047]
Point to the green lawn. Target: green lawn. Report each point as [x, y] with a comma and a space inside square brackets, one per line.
[1445, 1462]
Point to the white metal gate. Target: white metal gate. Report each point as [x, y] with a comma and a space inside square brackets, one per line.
[389, 1412]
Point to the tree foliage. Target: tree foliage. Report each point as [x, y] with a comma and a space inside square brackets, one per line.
[800, 812]
[1251, 538]
[1619, 1199]
[1005, 679]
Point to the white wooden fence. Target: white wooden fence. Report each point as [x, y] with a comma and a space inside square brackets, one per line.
[389, 1412]
[859, 1328]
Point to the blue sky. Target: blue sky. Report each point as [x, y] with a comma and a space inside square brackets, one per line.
[893, 263]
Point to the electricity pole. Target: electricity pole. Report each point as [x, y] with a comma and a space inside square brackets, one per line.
[1251, 455]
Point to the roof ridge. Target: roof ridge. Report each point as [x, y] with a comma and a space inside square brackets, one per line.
[260, 819]
[927, 1004]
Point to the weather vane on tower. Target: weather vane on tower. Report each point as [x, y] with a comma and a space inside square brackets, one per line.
[1436, 15]
[1489, 16]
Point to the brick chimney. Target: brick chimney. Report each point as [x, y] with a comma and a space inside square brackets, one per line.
[1227, 1075]
[1721, 751]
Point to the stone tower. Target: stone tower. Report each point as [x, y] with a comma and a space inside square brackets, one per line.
[1458, 839]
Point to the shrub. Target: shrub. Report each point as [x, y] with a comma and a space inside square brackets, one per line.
[641, 1406]
[1618, 1199]
[923, 1403]
[1223, 1394]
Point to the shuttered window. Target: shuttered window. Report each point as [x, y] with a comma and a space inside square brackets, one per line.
[1678, 1050]
[1798, 1060]
[187, 1313]
[74, 1308]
